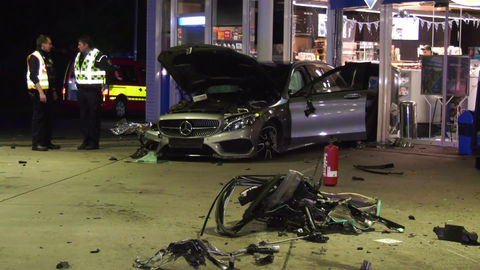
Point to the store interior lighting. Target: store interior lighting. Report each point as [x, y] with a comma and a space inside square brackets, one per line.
[310, 5]
[467, 2]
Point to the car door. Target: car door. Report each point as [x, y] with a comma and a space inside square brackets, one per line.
[302, 126]
[331, 105]
[339, 98]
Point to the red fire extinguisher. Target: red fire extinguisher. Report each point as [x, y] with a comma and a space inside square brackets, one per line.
[330, 165]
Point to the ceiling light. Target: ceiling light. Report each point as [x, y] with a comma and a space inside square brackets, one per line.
[467, 2]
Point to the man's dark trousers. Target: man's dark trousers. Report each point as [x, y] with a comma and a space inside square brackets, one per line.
[90, 102]
[42, 120]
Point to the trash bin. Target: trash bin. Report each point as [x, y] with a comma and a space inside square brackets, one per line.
[465, 133]
[408, 119]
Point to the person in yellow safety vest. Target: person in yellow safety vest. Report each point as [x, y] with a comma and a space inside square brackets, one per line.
[91, 67]
[41, 86]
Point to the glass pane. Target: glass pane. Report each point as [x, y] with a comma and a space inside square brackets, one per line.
[190, 6]
[227, 30]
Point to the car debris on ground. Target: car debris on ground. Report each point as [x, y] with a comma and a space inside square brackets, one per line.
[291, 203]
[456, 234]
[126, 128]
[197, 251]
[63, 265]
[376, 169]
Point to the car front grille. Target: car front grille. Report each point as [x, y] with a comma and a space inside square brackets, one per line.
[199, 127]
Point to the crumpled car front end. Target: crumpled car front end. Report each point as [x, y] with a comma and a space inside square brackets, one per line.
[217, 135]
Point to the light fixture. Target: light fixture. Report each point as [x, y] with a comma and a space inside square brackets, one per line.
[467, 2]
[310, 5]
[196, 20]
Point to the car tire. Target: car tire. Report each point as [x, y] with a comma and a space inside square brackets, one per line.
[120, 108]
[268, 141]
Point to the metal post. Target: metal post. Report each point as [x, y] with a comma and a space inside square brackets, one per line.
[287, 30]
[173, 42]
[265, 30]
[446, 43]
[135, 35]
[338, 37]
[154, 47]
[246, 27]
[385, 76]
[330, 59]
[208, 21]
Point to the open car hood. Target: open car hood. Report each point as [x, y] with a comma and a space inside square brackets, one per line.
[197, 67]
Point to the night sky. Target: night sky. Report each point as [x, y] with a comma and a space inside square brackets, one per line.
[110, 23]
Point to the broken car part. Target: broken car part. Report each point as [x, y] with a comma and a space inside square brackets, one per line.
[197, 251]
[290, 202]
[375, 168]
[456, 234]
[124, 128]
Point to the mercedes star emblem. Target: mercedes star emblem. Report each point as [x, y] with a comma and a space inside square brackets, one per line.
[186, 128]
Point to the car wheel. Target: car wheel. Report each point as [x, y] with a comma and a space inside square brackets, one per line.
[120, 108]
[268, 141]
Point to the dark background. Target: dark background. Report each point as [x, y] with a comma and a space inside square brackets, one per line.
[110, 23]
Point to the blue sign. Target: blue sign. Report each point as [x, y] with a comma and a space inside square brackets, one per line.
[371, 3]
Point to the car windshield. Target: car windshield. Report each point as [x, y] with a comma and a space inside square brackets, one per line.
[279, 74]
[222, 89]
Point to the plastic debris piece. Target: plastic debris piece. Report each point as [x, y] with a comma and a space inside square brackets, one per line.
[113, 158]
[411, 235]
[366, 265]
[354, 178]
[195, 251]
[388, 241]
[95, 251]
[63, 265]
[13, 147]
[385, 231]
[22, 162]
[320, 252]
[411, 217]
[150, 158]
[456, 234]
[264, 260]
[359, 248]
[376, 168]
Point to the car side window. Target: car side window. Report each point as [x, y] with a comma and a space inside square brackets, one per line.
[129, 74]
[143, 75]
[332, 83]
[297, 82]
[314, 71]
[118, 74]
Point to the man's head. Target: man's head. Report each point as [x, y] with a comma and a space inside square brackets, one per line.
[45, 43]
[85, 44]
[427, 50]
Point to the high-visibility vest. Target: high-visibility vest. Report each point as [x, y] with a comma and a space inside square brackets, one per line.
[42, 72]
[87, 73]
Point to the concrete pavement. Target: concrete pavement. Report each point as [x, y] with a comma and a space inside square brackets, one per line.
[63, 204]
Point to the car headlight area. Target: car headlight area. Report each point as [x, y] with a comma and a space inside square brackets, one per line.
[239, 122]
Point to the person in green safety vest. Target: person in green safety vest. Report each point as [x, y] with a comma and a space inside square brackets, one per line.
[41, 88]
[91, 69]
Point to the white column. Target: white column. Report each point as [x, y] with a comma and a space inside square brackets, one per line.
[208, 21]
[173, 42]
[385, 80]
[287, 30]
[446, 43]
[265, 30]
[330, 37]
[246, 27]
[154, 47]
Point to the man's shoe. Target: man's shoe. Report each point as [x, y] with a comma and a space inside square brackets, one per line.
[53, 146]
[39, 148]
[81, 147]
[92, 147]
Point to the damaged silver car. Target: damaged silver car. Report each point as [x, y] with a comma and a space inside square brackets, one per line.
[236, 107]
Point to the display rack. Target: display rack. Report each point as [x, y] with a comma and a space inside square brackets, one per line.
[321, 49]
